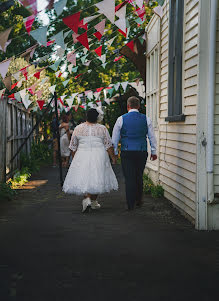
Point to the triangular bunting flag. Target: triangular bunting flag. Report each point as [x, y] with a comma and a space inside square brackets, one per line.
[67, 33]
[40, 35]
[118, 58]
[28, 22]
[96, 95]
[83, 58]
[58, 6]
[98, 50]
[60, 52]
[4, 68]
[110, 91]
[124, 85]
[70, 68]
[52, 89]
[65, 82]
[7, 82]
[104, 65]
[14, 85]
[73, 95]
[62, 97]
[130, 45]
[26, 101]
[37, 74]
[90, 94]
[69, 101]
[100, 26]
[32, 88]
[83, 40]
[139, 3]
[72, 21]
[19, 84]
[121, 24]
[71, 57]
[103, 58]
[6, 45]
[116, 86]
[87, 63]
[17, 96]
[98, 35]
[121, 13]
[4, 37]
[75, 36]
[91, 18]
[109, 43]
[40, 103]
[39, 93]
[107, 7]
[22, 94]
[59, 39]
[75, 69]
[16, 75]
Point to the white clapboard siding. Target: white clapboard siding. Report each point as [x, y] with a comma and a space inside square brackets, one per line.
[177, 151]
[216, 118]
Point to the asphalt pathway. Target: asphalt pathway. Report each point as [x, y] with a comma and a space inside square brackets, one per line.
[49, 250]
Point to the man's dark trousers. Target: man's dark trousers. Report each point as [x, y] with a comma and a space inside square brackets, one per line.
[133, 165]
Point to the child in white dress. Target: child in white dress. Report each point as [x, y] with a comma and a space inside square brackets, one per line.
[91, 172]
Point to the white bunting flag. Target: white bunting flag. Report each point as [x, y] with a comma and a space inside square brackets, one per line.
[17, 96]
[124, 85]
[65, 82]
[78, 100]
[62, 97]
[121, 24]
[60, 52]
[26, 101]
[107, 8]
[116, 86]
[58, 6]
[70, 68]
[109, 43]
[22, 94]
[121, 13]
[52, 89]
[91, 18]
[40, 35]
[4, 68]
[16, 75]
[90, 95]
[96, 95]
[103, 58]
[69, 101]
[20, 83]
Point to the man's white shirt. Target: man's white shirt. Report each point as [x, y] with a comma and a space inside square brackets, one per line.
[117, 129]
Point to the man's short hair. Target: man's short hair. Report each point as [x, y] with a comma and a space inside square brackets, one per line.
[133, 102]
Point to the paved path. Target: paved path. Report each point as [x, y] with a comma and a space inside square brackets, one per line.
[50, 251]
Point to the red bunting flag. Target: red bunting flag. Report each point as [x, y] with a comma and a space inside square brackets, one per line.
[40, 103]
[119, 6]
[24, 71]
[131, 45]
[141, 12]
[99, 89]
[50, 43]
[14, 85]
[122, 32]
[118, 58]
[37, 74]
[83, 40]
[73, 21]
[11, 96]
[98, 35]
[82, 25]
[98, 50]
[77, 76]
[28, 22]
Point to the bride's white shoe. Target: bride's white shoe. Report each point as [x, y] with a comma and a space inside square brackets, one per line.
[86, 205]
[95, 205]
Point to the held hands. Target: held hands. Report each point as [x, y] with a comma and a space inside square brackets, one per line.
[153, 157]
[114, 160]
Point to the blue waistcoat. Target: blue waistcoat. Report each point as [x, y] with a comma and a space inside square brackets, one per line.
[134, 132]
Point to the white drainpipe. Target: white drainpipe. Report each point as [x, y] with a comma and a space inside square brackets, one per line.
[211, 98]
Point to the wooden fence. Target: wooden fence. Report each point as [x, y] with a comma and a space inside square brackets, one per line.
[15, 124]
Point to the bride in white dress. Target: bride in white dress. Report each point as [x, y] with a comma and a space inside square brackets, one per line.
[90, 172]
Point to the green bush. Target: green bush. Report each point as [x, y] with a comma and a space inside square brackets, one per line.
[20, 177]
[156, 191]
[6, 191]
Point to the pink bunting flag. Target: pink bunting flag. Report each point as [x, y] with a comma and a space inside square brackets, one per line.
[40, 103]
[73, 21]
[83, 40]
[100, 26]
[39, 93]
[140, 12]
[98, 50]
[74, 36]
[28, 22]
[71, 57]
[32, 88]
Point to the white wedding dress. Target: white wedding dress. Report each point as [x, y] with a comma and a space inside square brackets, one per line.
[90, 170]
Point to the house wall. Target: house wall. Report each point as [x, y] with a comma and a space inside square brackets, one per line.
[216, 114]
[177, 140]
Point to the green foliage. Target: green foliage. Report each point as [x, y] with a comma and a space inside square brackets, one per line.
[149, 187]
[6, 191]
[20, 178]
[40, 155]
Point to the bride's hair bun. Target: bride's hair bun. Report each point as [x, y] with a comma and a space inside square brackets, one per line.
[92, 115]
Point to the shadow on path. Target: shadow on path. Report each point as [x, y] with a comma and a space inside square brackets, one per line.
[51, 251]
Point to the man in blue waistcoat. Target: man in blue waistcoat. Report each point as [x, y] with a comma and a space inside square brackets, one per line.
[132, 129]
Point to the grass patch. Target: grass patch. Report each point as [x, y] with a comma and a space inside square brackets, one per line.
[156, 191]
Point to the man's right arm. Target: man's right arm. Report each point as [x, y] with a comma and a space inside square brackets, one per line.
[116, 134]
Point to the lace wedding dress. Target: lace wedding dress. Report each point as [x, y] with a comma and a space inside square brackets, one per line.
[90, 170]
